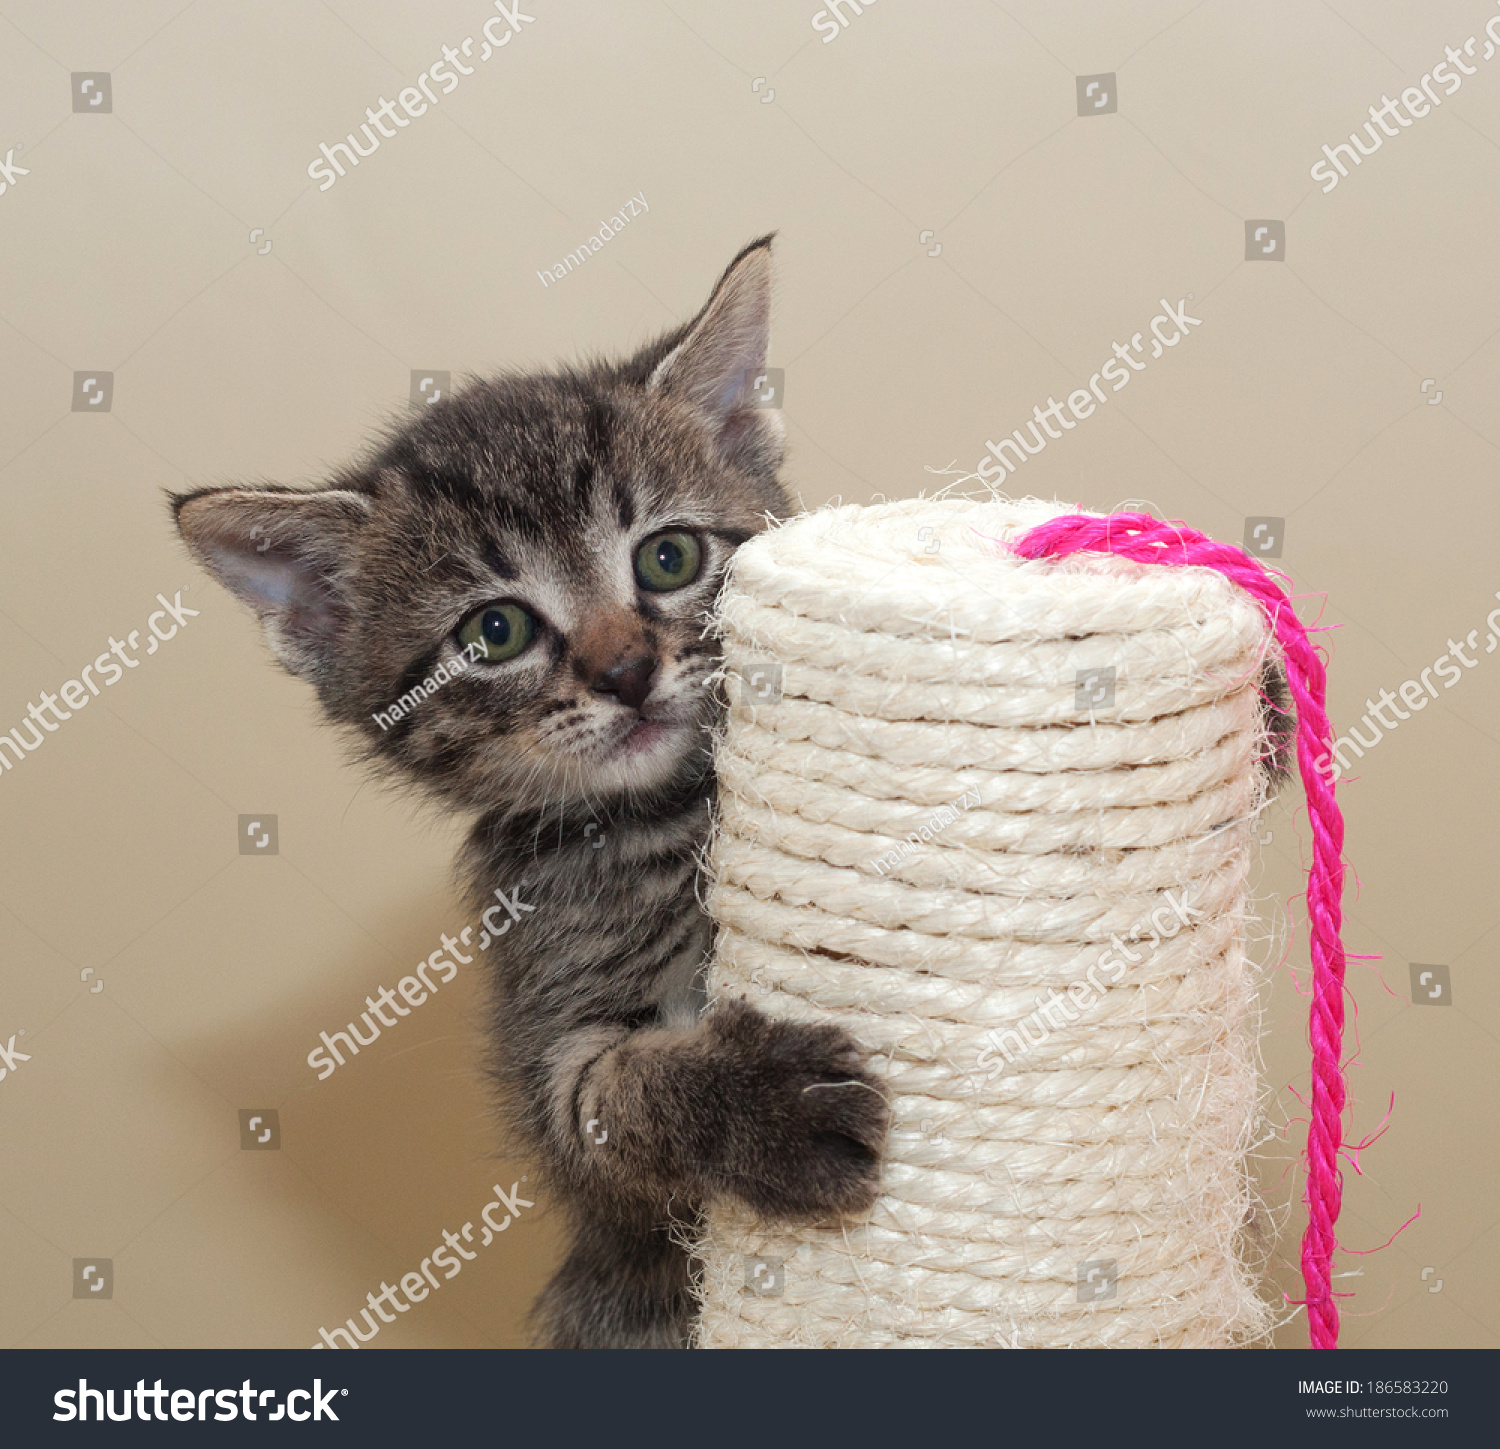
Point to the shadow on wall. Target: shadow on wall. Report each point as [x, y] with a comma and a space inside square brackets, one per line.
[388, 1160]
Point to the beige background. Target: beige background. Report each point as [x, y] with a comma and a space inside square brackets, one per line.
[126, 248]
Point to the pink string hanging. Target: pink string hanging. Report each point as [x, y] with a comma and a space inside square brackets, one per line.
[1145, 539]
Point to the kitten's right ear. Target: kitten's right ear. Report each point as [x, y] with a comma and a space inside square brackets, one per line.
[285, 554]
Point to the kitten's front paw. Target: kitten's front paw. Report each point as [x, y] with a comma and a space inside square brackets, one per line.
[805, 1123]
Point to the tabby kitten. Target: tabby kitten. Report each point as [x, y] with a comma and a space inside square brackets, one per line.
[569, 532]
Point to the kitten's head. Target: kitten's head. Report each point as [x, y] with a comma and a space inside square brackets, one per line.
[544, 549]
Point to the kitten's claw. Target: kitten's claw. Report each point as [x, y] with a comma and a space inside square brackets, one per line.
[809, 1123]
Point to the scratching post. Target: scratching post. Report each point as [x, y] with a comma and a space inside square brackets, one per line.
[994, 816]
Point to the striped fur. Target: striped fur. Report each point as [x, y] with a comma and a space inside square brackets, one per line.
[592, 800]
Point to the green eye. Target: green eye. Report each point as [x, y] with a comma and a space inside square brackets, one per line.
[496, 632]
[668, 560]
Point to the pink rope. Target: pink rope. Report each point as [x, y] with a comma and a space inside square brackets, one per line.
[1145, 539]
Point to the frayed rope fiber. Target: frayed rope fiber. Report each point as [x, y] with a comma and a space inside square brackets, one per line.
[953, 782]
[1145, 539]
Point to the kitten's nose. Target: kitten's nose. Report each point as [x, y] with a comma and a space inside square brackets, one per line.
[629, 680]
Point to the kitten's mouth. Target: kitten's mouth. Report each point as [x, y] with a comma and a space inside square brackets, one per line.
[645, 735]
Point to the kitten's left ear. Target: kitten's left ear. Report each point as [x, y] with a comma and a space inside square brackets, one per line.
[721, 361]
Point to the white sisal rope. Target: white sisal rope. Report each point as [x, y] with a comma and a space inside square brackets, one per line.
[927, 830]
